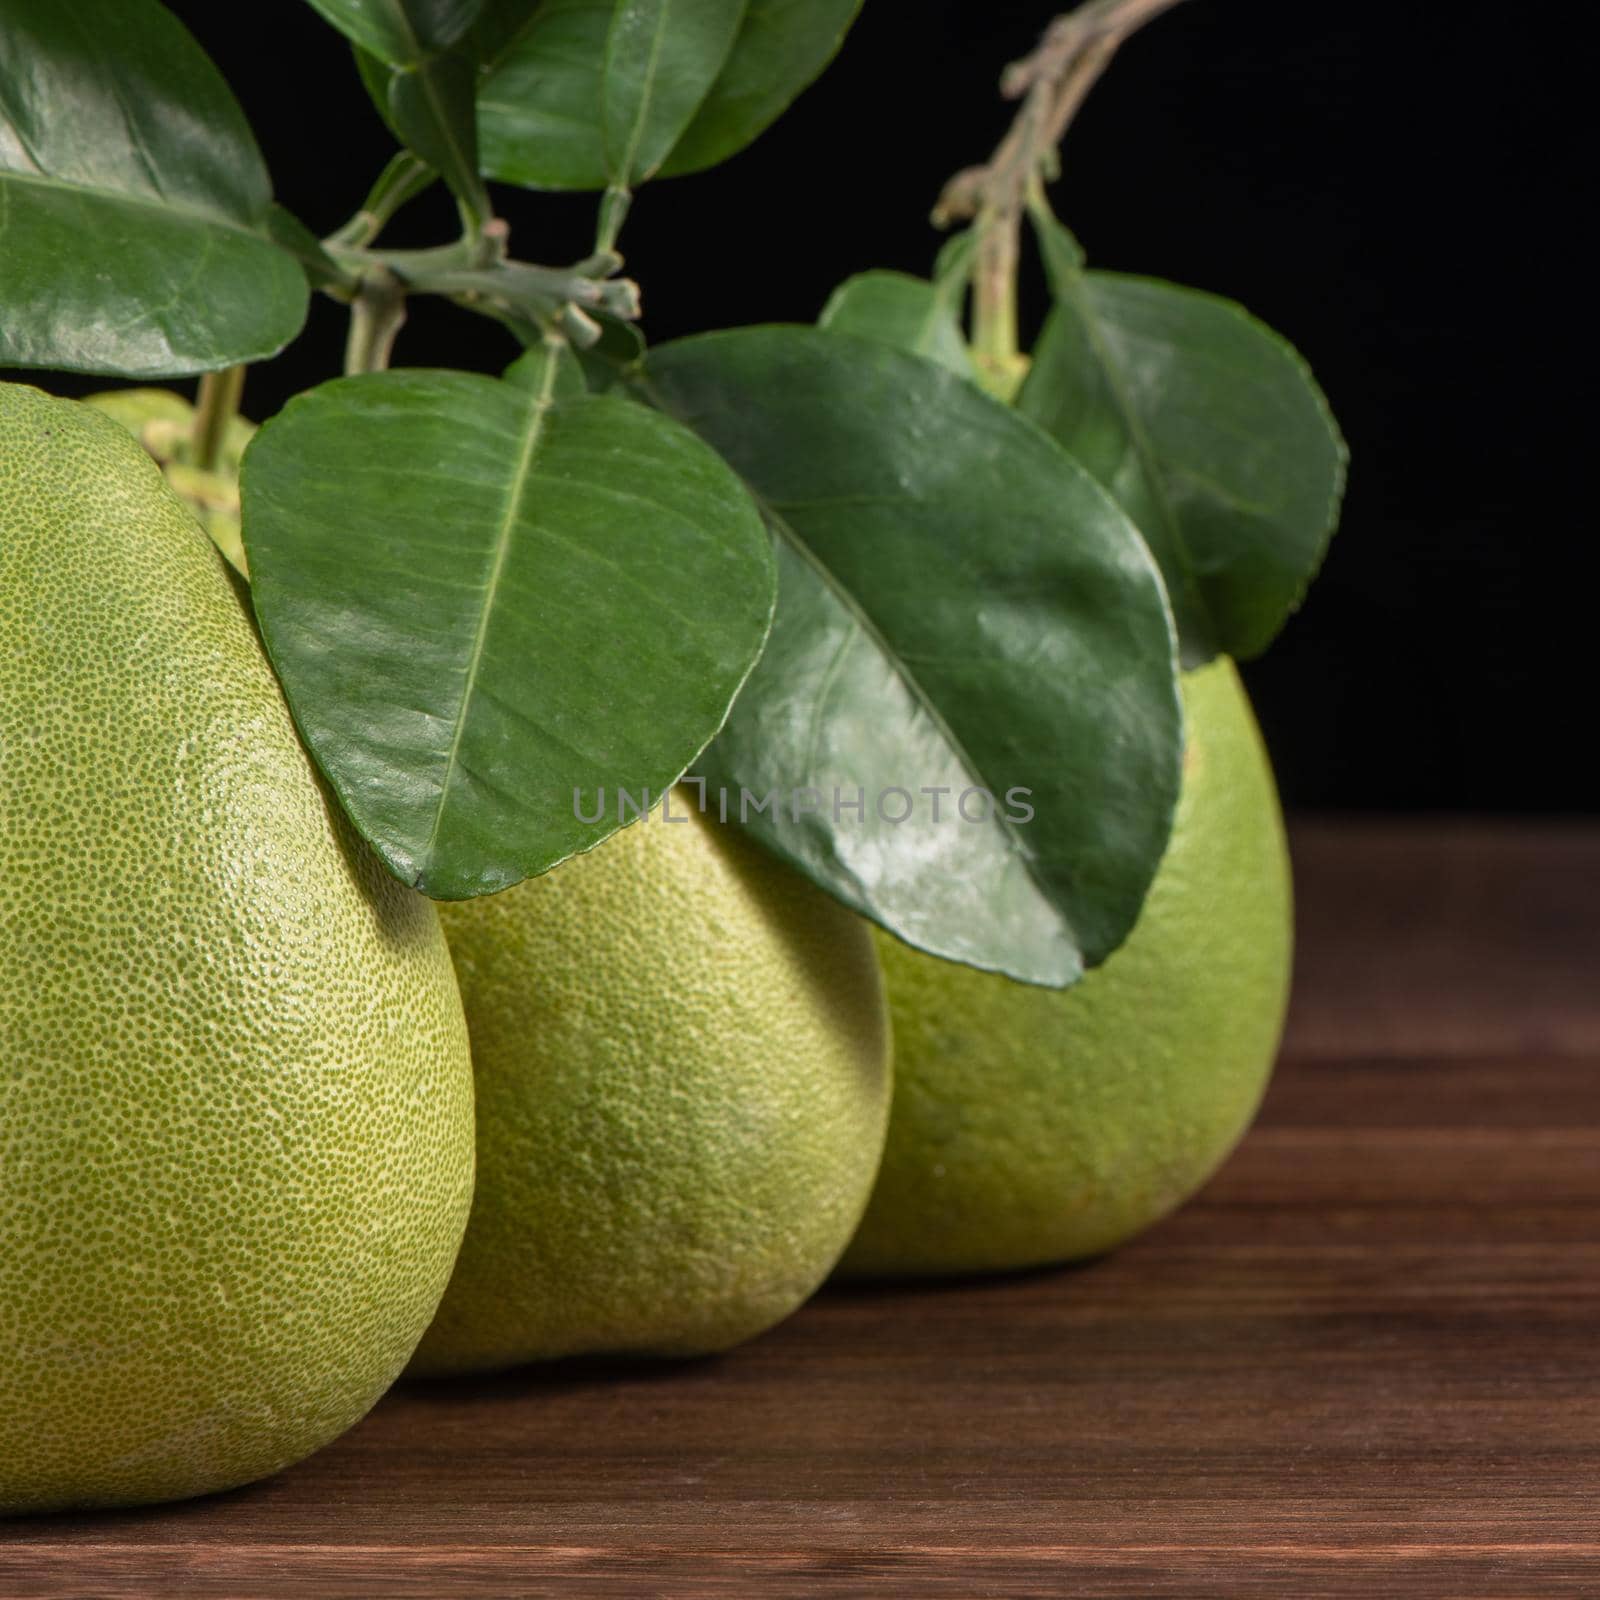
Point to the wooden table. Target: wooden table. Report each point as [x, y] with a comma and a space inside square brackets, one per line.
[1365, 1362]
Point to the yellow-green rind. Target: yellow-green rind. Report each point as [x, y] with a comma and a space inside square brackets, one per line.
[1034, 1125]
[682, 1060]
[235, 1096]
[163, 422]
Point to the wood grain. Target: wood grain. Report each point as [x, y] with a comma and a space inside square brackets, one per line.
[1365, 1362]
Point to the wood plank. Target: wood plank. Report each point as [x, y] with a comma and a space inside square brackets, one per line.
[1154, 1569]
[1446, 936]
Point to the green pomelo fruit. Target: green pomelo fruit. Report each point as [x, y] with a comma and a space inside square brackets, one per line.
[163, 423]
[1036, 1125]
[682, 1062]
[235, 1095]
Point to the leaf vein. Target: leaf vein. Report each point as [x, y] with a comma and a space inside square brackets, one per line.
[533, 430]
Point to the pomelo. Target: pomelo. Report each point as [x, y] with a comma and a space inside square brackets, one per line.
[1035, 1125]
[163, 422]
[682, 1062]
[235, 1096]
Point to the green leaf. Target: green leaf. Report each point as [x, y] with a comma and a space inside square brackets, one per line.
[661, 58]
[909, 313]
[289, 233]
[539, 104]
[375, 74]
[959, 606]
[1210, 432]
[403, 33]
[432, 109]
[1059, 247]
[597, 92]
[423, 85]
[548, 367]
[613, 359]
[134, 205]
[782, 47]
[481, 598]
[953, 266]
[498, 24]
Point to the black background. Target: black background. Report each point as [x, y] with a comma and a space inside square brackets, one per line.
[1387, 185]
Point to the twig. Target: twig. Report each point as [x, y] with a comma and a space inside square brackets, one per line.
[377, 313]
[1052, 84]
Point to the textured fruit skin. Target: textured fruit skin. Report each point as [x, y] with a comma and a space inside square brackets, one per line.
[235, 1095]
[162, 422]
[1036, 1125]
[682, 1059]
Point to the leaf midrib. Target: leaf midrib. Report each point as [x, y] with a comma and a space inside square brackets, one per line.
[125, 197]
[868, 625]
[1149, 465]
[636, 133]
[647, 388]
[540, 403]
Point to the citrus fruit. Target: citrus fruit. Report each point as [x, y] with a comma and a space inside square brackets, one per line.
[1036, 1125]
[163, 423]
[681, 1055]
[235, 1096]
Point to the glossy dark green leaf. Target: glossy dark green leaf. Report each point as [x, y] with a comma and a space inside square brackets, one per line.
[481, 597]
[548, 367]
[403, 33]
[539, 102]
[613, 359]
[960, 606]
[909, 313]
[375, 75]
[1208, 429]
[289, 233]
[499, 22]
[662, 56]
[418, 60]
[432, 110]
[781, 48]
[597, 92]
[135, 211]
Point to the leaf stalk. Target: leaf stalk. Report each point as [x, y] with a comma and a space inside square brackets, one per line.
[216, 405]
[401, 181]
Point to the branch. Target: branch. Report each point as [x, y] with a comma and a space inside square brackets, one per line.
[377, 313]
[1052, 84]
[477, 274]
